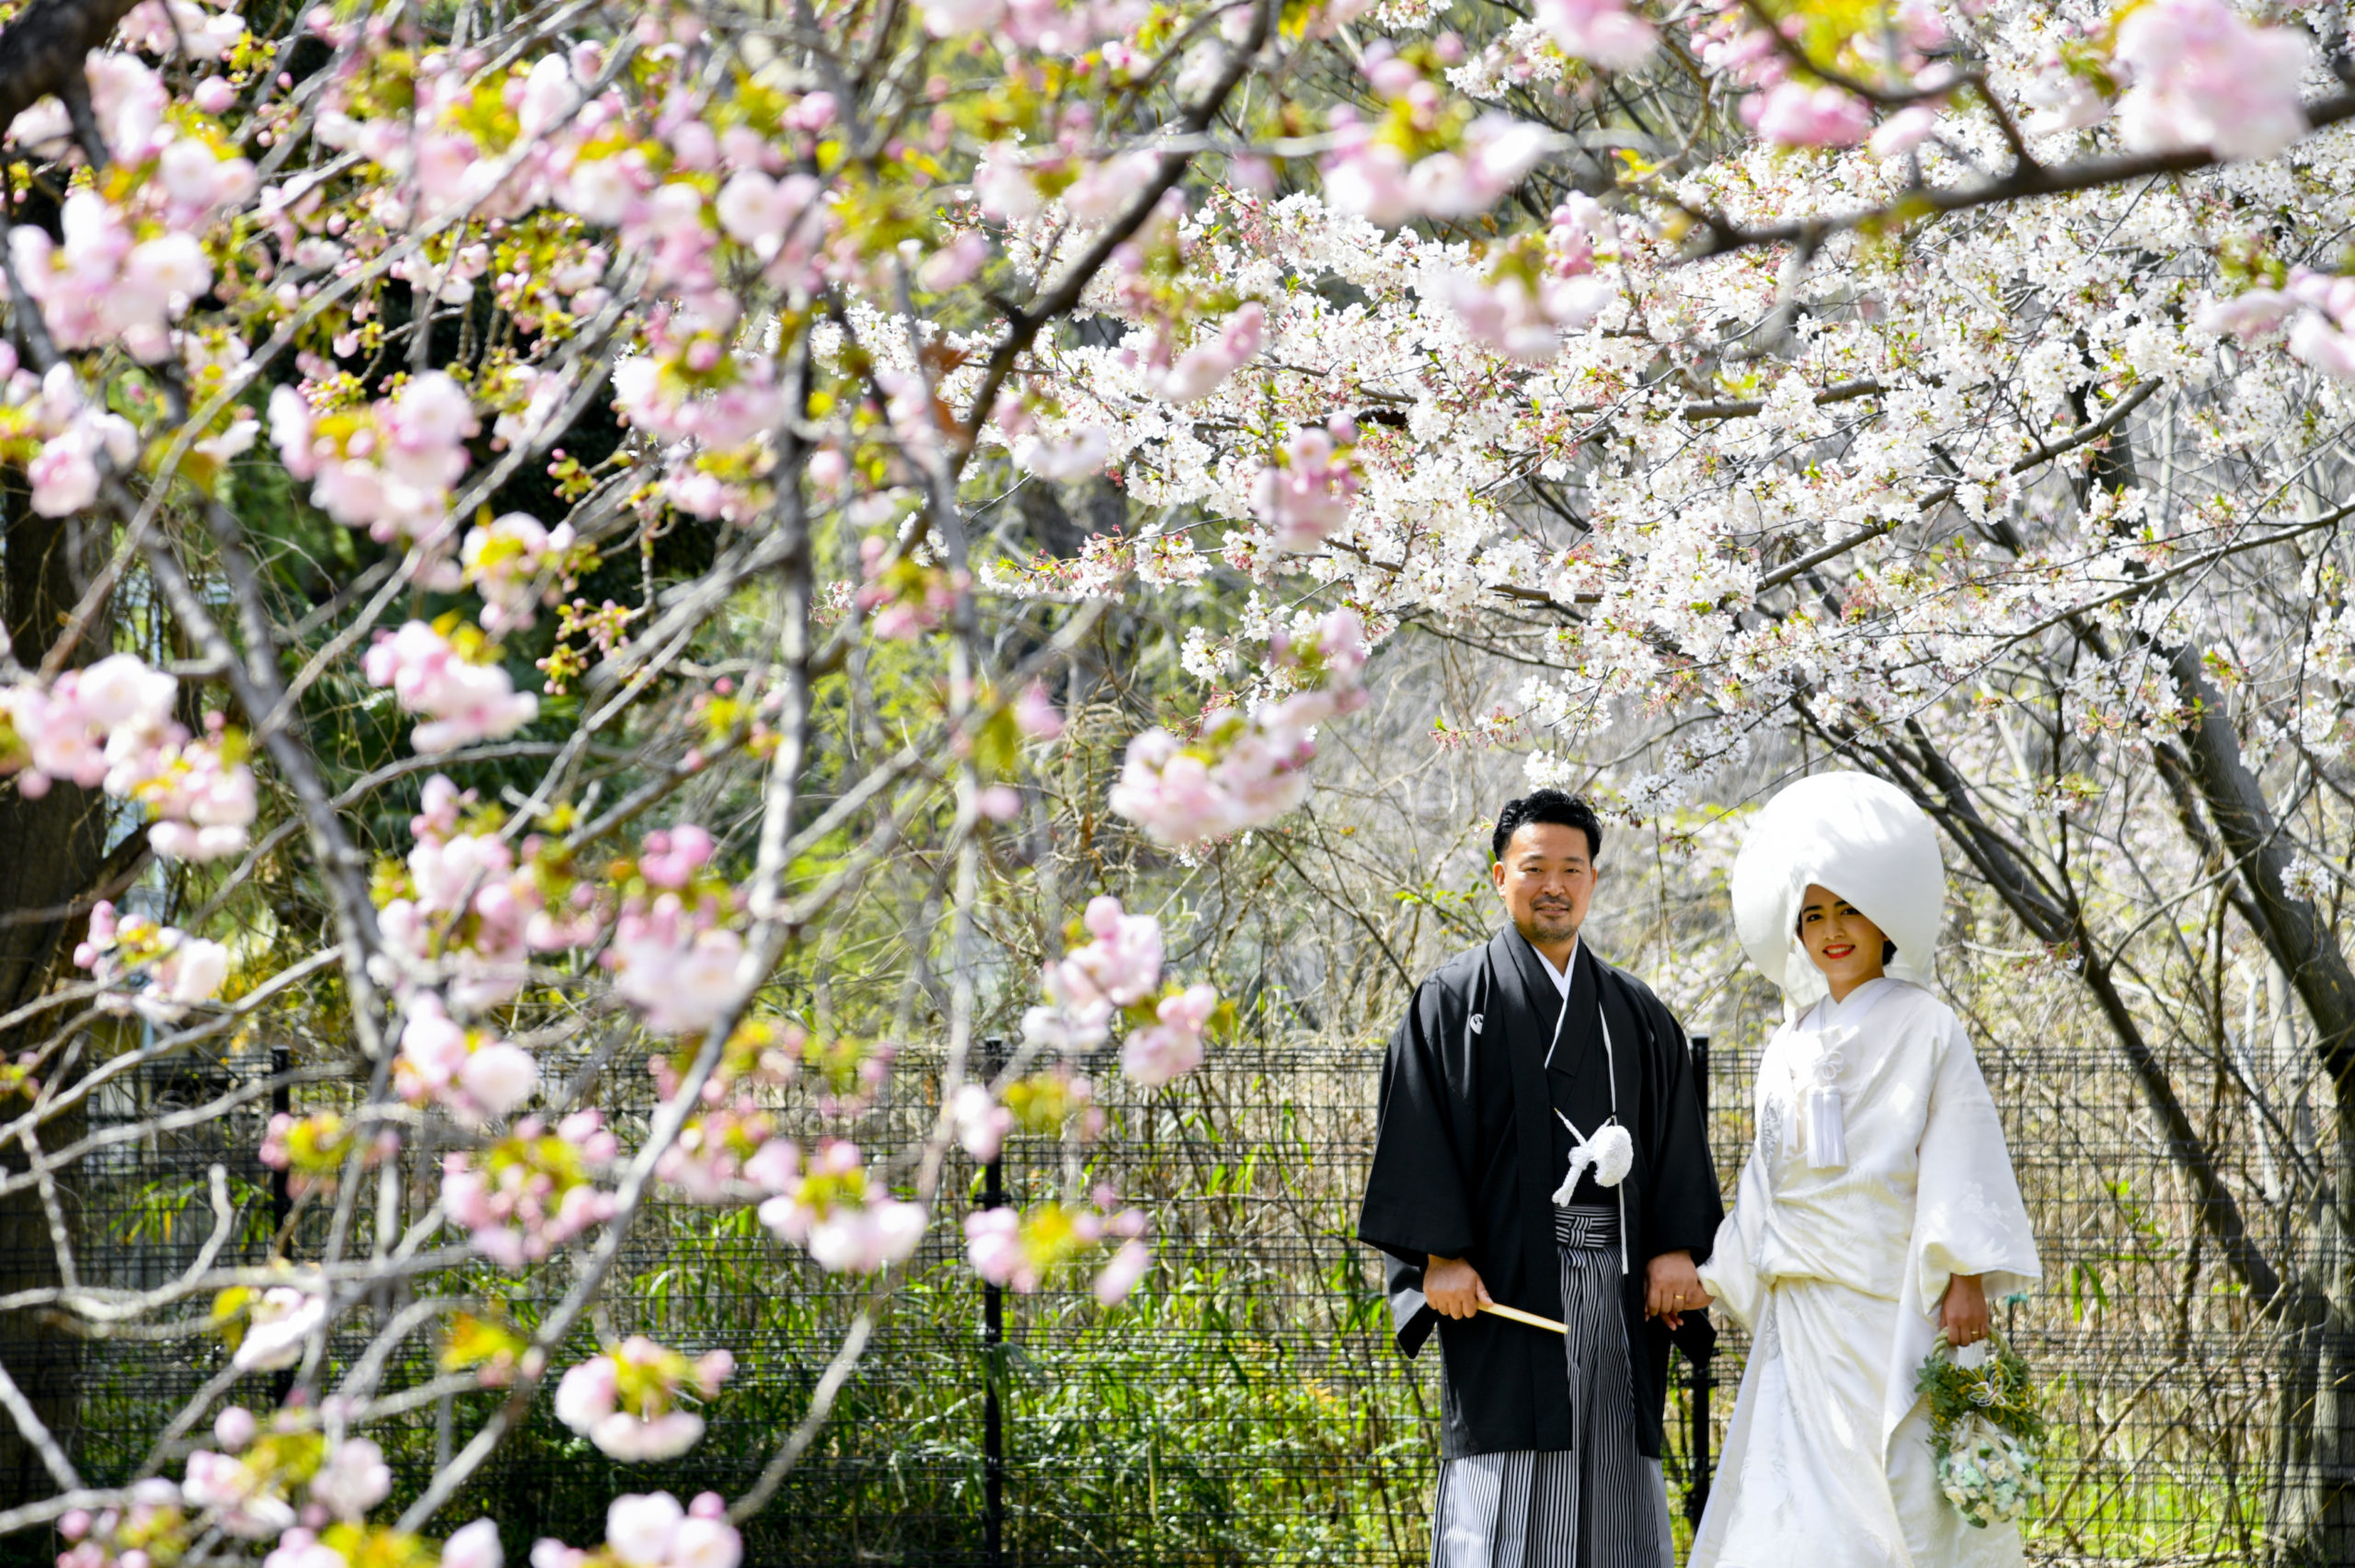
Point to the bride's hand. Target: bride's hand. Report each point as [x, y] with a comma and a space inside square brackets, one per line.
[1964, 1316]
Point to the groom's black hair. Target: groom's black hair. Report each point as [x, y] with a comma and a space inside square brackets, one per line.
[1548, 805]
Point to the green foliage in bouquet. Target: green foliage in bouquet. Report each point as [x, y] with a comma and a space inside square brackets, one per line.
[2000, 1391]
[1986, 1431]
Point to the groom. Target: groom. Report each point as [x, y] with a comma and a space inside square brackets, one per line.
[1512, 1057]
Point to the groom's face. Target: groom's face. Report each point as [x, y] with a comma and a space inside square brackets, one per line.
[1547, 879]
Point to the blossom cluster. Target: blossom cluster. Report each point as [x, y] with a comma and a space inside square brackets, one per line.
[455, 682]
[465, 911]
[157, 971]
[1423, 157]
[1116, 975]
[313, 1148]
[1021, 1249]
[111, 726]
[2319, 308]
[283, 1482]
[517, 565]
[1305, 493]
[1539, 286]
[626, 1401]
[128, 263]
[388, 468]
[1057, 1102]
[1245, 769]
[652, 1530]
[471, 1073]
[531, 1190]
[2203, 76]
[835, 1207]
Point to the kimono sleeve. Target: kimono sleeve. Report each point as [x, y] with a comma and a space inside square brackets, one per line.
[1682, 1205]
[1728, 1274]
[1968, 1216]
[1417, 1199]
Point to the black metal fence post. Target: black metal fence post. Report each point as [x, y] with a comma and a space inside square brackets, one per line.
[993, 1354]
[1696, 1491]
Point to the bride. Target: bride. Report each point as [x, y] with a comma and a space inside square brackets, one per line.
[1877, 1205]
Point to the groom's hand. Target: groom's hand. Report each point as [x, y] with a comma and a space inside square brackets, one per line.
[1673, 1288]
[1453, 1287]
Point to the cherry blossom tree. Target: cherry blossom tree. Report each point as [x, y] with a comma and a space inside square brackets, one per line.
[510, 556]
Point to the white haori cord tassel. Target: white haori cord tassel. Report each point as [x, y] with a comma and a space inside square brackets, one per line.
[1612, 1153]
[1613, 1147]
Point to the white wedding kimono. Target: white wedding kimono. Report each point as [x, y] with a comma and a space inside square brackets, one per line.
[1839, 1274]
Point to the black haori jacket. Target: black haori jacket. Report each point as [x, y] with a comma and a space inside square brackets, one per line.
[1468, 1156]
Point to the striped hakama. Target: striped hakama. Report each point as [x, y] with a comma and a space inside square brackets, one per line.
[1601, 1504]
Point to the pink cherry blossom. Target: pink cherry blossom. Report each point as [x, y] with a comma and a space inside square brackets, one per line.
[392, 475]
[1524, 323]
[2248, 315]
[354, 1479]
[1008, 1248]
[1307, 495]
[99, 284]
[65, 476]
[994, 1248]
[1035, 715]
[837, 1212]
[1791, 114]
[641, 1530]
[237, 1499]
[2328, 347]
[948, 19]
[772, 217]
[463, 701]
[1172, 1047]
[1903, 131]
[1083, 452]
[504, 563]
[1119, 966]
[283, 1318]
[2319, 307]
[1104, 188]
[982, 1121]
[1119, 1277]
[2204, 77]
[532, 1191]
[671, 858]
[1368, 177]
[680, 975]
[1605, 31]
[170, 970]
[205, 801]
[474, 1546]
[1245, 769]
[235, 1428]
[1198, 371]
[647, 1422]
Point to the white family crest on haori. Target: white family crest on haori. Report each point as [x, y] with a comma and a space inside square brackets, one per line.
[1878, 1173]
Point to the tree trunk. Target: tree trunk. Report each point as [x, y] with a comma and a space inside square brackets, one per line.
[52, 852]
[2309, 1507]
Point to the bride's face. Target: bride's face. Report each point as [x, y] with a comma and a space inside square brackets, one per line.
[1845, 945]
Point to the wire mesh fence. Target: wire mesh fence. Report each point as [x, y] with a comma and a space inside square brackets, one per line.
[1247, 1405]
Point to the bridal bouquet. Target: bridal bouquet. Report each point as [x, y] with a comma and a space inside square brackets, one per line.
[1985, 1430]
